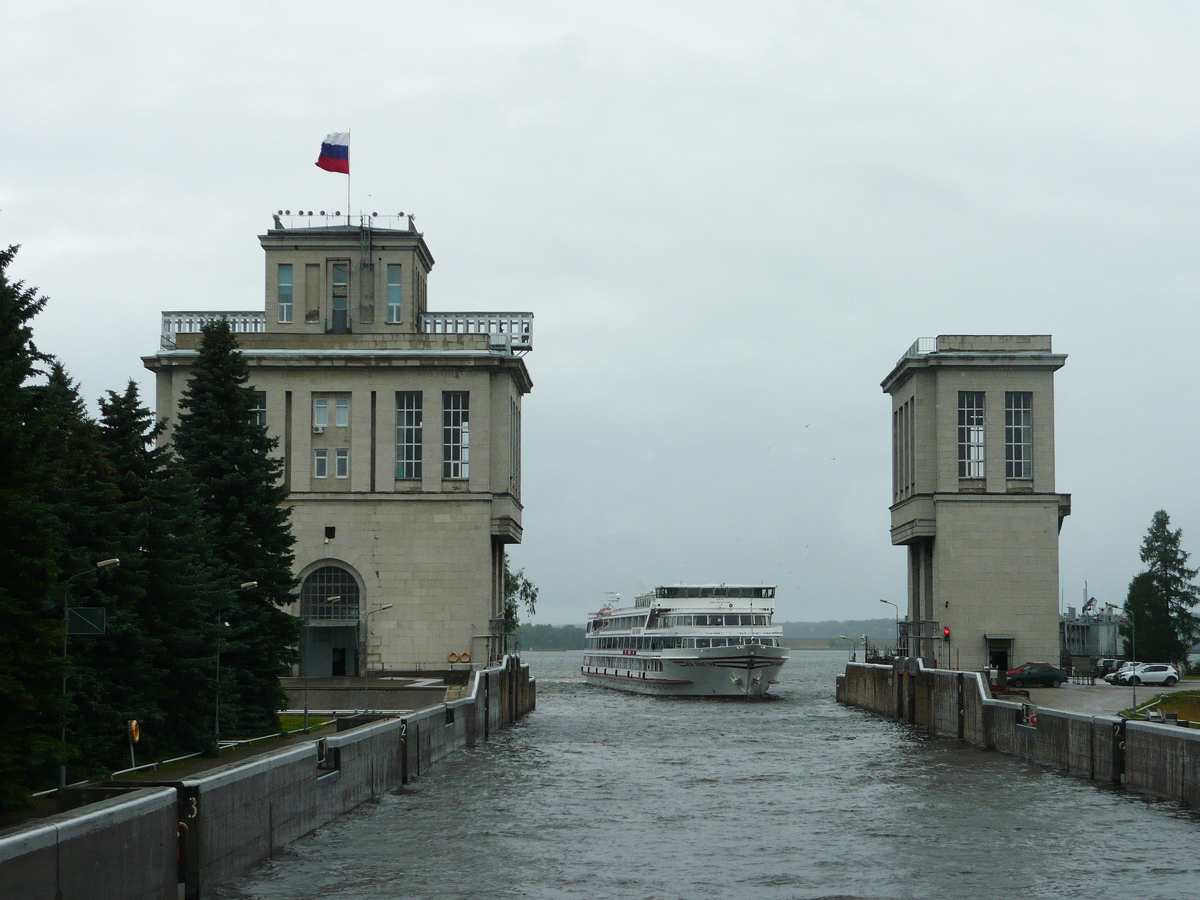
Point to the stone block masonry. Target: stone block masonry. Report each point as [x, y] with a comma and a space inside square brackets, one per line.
[1163, 760]
[238, 815]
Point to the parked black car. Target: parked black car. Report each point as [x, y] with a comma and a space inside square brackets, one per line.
[1036, 674]
[1105, 666]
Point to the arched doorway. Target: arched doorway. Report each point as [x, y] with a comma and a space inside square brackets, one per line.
[329, 607]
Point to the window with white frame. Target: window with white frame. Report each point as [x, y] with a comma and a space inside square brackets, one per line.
[970, 434]
[408, 434]
[394, 293]
[320, 412]
[258, 412]
[341, 462]
[341, 412]
[321, 463]
[1018, 434]
[456, 434]
[285, 293]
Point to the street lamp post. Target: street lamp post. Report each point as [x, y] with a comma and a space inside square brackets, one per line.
[336, 598]
[896, 646]
[366, 646]
[849, 652]
[99, 567]
[244, 586]
[1132, 651]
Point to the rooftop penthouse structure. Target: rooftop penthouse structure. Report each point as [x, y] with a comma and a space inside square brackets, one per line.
[350, 368]
[973, 498]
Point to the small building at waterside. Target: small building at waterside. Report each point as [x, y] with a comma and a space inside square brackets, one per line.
[974, 501]
[400, 432]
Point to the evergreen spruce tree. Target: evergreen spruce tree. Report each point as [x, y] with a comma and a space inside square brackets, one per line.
[1161, 599]
[170, 553]
[31, 636]
[111, 678]
[228, 456]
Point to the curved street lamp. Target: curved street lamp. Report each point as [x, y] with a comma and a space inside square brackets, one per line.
[244, 586]
[336, 598]
[366, 647]
[98, 567]
[896, 646]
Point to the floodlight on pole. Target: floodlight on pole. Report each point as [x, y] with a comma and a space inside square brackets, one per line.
[98, 567]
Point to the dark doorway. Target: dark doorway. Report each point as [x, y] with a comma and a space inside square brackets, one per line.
[339, 661]
[1000, 654]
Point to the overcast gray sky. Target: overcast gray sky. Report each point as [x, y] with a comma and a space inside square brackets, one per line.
[729, 220]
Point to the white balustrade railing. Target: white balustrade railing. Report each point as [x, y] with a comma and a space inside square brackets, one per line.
[515, 328]
[920, 347]
[508, 330]
[241, 321]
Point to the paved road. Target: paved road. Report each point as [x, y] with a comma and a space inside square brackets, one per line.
[1099, 699]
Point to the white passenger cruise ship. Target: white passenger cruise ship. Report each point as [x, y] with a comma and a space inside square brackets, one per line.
[688, 640]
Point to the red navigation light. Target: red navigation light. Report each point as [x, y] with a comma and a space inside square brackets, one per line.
[946, 634]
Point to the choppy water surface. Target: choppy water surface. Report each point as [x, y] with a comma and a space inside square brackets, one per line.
[600, 794]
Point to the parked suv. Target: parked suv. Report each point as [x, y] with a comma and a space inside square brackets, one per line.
[1118, 677]
[1153, 673]
[1033, 674]
[1108, 665]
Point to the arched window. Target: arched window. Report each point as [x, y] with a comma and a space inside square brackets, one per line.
[319, 586]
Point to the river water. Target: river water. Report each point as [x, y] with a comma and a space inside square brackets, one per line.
[600, 794]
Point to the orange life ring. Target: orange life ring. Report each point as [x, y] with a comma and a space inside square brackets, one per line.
[465, 656]
[135, 733]
[452, 657]
[1033, 720]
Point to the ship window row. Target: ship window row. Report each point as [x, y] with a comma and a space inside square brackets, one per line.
[675, 643]
[726, 620]
[624, 662]
[750, 593]
[620, 623]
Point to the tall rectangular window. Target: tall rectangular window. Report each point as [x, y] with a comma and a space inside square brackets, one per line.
[408, 434]
[394, 293]
[285, 293]
[340, 297]
[258, 412]
[1018, 434]
[341, 462]
[970, 434]
[341, 412]
[456, 434]
[321, 463]
[320, 412]
[514, 458]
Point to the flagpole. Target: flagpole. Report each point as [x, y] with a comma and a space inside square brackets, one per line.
[348, 180]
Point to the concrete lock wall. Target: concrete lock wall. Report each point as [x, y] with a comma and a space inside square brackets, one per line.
[236, 816]
[1159, 759]
[118, 849]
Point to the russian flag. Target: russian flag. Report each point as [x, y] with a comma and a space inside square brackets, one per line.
[335, 153]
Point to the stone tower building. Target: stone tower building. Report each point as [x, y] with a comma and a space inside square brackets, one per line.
[973, 498]
[400, 432]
